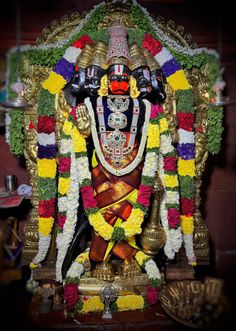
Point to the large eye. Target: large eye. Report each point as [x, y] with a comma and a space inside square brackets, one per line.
[124, 78]
[113, 78]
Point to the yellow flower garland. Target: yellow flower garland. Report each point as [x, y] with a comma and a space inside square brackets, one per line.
[45, 225]
[63, 185]
[178, 81]
[92, 304]
[141, 257]
[130, 302]
[47, 168]
[186, 167]
[54, 83]
[187, 224]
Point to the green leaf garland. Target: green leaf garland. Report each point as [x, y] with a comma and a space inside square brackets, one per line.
[215, 129]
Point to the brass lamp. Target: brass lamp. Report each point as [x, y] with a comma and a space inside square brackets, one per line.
[18, 87]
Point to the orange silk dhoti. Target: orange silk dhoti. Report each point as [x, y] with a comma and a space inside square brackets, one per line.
[111, 193]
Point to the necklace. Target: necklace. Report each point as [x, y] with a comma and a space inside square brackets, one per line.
[114, 170]
[118, 103]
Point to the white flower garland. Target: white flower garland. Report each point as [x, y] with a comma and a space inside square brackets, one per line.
[64, 239]
[43, 245]
[76, 270]
[174, 236]
[152, 269]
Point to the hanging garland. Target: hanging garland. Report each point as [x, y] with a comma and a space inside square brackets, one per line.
[175, 76]
[158, 135]
[215, 129]
[82, 304]
[46, 156]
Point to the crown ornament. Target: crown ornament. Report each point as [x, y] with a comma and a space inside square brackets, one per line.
[85, 57]
[118, 50]
[137, 57]
[151, 61]
[99, 55]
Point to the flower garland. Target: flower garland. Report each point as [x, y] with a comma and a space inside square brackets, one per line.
[46, 156]
[84, 304]
[157, 134]
[175, 76]
[48, 55]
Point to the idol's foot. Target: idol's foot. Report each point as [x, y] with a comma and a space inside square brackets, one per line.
[104, 271]
[129, 269]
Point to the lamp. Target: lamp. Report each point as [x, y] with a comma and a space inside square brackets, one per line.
[18, 87]
[218, 87]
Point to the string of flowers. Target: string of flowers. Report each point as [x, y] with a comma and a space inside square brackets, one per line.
[169, 209]
[157, 133]
[176, 77]
[46, 156]
[76, 303]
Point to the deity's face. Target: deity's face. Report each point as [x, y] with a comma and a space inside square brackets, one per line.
[118, 77]
[143, 78]
[158, 85]
[77, 83]
[92, 80]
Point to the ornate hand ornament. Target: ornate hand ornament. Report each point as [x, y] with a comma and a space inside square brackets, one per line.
[84, 120]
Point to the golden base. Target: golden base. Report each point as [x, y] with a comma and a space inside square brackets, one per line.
[135, 285]
[92, 286]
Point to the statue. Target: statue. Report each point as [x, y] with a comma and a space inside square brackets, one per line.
[125, 187]
[114, 145]
[119, 120]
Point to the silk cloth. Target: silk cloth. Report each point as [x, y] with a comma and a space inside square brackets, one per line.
[115, 196]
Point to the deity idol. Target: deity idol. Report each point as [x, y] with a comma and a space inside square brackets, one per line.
[117, 174]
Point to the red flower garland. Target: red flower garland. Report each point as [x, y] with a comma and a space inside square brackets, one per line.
[80, 43]
[151, 44]
[46, 208]
[170, 163]
[152, 295]
[71, 295]
[186, 121]
[188, 206]
[64, 164]
[46, 124]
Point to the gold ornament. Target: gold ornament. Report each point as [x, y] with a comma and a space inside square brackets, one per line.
[137, 57]
[151, 61]
[134, 92]
[103, 91]
[85, 56]
[99, 55]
